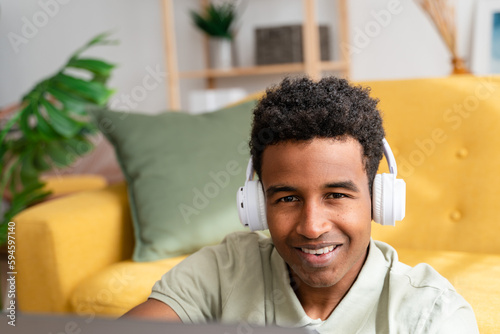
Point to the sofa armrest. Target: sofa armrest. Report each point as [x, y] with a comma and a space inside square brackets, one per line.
[62, 185]
[64, 241]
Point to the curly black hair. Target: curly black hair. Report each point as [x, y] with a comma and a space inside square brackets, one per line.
[301, 109]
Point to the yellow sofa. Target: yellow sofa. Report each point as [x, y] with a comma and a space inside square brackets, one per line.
[73, 253]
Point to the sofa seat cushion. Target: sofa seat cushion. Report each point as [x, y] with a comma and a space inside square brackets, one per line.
[473, 275]
[118, 288]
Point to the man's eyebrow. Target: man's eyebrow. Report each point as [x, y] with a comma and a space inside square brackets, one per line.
[272, 190]
[349, 185]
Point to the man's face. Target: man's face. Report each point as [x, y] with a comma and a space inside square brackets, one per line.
[318, 208]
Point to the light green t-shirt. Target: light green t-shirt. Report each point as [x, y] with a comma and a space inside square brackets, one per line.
[244, 280]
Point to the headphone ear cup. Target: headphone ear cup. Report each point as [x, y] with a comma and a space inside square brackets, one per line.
[399, 199]
[389, 199]
[377, 198]
[262, 207]
[385, 197]
[252, 206]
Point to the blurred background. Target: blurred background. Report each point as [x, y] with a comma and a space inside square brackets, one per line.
[173, 55]
[39, 35]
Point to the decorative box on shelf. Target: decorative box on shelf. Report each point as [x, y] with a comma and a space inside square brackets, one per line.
[283, 44]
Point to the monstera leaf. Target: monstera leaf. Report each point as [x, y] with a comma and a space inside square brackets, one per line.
[51, 128]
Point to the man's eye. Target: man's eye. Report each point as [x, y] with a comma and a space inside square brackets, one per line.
[287, 199]
[336, 195]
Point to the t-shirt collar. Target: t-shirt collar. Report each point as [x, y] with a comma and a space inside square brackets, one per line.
[353, 310]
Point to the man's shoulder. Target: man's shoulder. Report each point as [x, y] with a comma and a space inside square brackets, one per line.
[422, 296]
[246, 242]
[418, 277]
[235, 248]
[258, 239]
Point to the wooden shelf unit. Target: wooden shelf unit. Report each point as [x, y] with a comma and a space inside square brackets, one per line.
[262, 70]
[312, 65]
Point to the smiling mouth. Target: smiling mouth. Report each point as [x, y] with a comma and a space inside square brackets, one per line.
[319, 251]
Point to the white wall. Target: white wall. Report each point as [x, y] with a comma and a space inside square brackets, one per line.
[409, 46]
[406, 45]
[138, 26]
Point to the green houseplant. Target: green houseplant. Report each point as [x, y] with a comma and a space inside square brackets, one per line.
[51, 128]
[217, 21]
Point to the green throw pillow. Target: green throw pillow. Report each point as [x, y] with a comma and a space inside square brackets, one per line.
[183, 172]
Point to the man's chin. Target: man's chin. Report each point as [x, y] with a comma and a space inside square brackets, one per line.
[315, 280]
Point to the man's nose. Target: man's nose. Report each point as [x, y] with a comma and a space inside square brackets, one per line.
[313, 221]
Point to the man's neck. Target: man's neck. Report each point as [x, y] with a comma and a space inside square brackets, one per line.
[321, 302]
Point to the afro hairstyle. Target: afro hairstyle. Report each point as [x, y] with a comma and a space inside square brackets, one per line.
[300, 109]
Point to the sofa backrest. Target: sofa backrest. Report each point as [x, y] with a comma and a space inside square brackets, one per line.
[445, 134]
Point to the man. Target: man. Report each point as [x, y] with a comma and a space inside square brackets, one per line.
[316, 147]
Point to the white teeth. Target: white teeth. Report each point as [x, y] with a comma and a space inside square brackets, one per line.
[323, 250]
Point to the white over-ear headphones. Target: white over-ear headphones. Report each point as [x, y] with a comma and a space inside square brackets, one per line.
[388, 193]
[388, 201]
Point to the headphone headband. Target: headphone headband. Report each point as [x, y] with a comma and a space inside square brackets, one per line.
[250, 170]
[389, 156]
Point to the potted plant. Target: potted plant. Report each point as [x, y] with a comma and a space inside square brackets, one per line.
[50, 128]
[217, 22]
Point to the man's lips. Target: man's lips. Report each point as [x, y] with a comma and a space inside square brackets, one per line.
[318, 250]
[318, 255]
